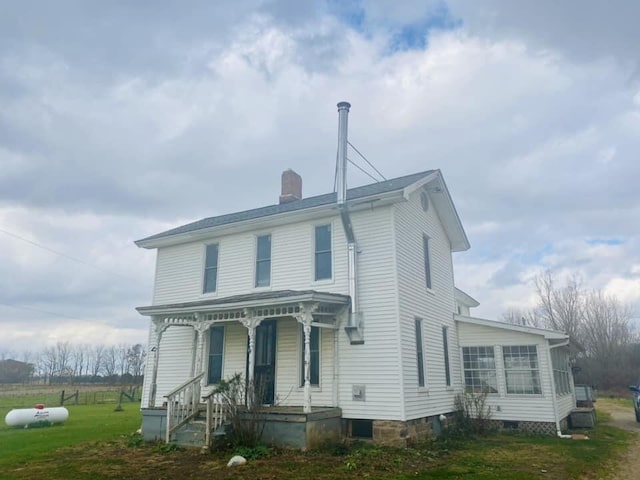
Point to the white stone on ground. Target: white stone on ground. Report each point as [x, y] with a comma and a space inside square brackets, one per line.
[237, 460]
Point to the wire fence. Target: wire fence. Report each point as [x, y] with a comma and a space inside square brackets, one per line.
[30, 395]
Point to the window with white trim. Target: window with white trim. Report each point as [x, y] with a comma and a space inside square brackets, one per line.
[445, 350]
[323, 252]
[263, 261]
[521, 369]
[479, 370]
[419, 352]
[314, 366]
[210, 269]
[216, 352]
[561, 376]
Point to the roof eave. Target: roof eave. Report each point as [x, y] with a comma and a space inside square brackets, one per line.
[278, 218]
[547, 334]
[445, 206]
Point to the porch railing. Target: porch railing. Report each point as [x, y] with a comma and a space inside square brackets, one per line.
[182, 404]
[217, 415]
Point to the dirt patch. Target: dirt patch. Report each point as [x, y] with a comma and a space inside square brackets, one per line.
[623, 416]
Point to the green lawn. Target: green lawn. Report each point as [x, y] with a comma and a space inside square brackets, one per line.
[86, 423]
[96, 443]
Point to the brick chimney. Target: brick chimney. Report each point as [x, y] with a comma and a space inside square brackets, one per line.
[291, 187]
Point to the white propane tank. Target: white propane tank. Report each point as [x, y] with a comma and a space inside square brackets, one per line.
[26, 417]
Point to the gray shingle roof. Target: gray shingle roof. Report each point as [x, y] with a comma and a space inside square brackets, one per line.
[328, 198]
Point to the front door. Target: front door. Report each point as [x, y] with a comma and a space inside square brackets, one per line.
[265, 361]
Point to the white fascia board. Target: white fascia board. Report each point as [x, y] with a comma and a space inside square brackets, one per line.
[548, 334]
[464, 298]
[312, 213]
[446, 209]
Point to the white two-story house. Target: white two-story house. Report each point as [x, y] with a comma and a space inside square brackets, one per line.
[345, 311]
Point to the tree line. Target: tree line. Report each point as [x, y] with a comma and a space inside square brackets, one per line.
[604, 344]
[65, 362]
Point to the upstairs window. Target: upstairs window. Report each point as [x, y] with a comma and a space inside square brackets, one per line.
[314, 367]
[521, 369]
[216, 349]
[445, 349]
[479, 370]
[419, 352]
[427, 260]
[211, 269]
[323, 252]
[263, 261]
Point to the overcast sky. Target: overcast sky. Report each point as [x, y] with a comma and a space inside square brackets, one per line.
[121, 119]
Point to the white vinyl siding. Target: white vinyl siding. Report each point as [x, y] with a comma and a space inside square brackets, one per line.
[516, 407]
[180, 269]
[434, 305]
[175, 360]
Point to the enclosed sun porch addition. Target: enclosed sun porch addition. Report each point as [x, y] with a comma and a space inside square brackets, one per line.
[285, 342]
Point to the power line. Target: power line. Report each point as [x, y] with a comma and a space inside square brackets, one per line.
[64, 255]
[40, 311]
[362, 170]
[365, 159]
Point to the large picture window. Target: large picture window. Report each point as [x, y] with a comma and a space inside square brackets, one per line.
[314, 367]
[479, 370]
[263, 261]
[211, 269]
[561, 376]
[521, 369]
[323, 252]
[216, 351]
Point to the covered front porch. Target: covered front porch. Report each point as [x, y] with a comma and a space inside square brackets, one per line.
[285, 342]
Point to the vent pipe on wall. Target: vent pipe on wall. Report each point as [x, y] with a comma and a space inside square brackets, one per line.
[354, 327]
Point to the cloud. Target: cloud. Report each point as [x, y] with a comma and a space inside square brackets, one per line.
[121, 121]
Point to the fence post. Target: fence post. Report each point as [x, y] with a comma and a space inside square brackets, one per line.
[62, 399]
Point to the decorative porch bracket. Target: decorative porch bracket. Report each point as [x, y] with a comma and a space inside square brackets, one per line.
[305, 317]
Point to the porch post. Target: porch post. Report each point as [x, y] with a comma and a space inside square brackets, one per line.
[158, 328]
[199, 361]
[305, 317]
[251, 323]
[306, 327]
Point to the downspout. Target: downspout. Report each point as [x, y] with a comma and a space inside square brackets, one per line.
[354, 322]
[553, 388]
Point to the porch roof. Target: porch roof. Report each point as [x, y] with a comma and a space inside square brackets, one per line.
[251, 300]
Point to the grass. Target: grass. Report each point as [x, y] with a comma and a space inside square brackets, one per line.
[96, 443]
[87, 423]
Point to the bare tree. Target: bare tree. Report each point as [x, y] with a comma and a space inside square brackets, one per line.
[110, 361]
[136, 355]
[560, 307]
[96, 359]
[525, 318]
